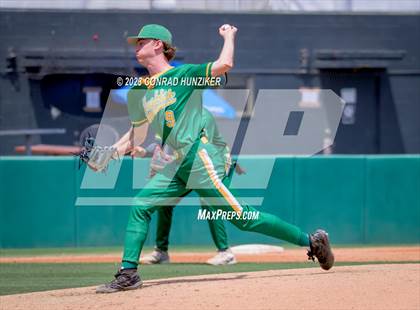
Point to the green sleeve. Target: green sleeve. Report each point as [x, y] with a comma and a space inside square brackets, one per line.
[201, 70]
[135, 107]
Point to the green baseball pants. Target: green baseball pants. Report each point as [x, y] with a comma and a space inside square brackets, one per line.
[164, 223]
[216, 226]
[201, 170]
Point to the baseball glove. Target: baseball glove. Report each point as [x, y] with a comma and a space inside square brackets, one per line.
[96, 157]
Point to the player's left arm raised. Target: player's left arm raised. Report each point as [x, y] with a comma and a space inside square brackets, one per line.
[225, 61]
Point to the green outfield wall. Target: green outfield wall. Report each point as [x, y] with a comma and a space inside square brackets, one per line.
[358, 199]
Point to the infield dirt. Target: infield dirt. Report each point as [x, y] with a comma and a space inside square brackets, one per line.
[357, 254]
[393, 286]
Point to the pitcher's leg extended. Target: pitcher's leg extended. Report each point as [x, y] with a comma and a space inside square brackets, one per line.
[265, 223]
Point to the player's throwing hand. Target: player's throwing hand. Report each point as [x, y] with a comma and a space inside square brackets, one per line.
[227, 30]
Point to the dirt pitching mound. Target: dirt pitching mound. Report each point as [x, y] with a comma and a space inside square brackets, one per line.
[356, 287]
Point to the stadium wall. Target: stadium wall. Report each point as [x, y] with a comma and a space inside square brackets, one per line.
[358, 199]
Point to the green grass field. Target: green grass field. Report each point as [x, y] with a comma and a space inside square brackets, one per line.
[23, 278]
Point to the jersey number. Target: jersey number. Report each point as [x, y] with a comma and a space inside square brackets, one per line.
[170, 118]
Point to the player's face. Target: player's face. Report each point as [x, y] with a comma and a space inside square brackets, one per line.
[145, 48]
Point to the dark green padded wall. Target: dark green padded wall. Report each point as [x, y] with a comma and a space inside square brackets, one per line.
[358, 199]
[392, 197]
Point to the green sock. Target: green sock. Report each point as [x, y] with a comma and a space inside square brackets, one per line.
[128, 265]
[304, 239]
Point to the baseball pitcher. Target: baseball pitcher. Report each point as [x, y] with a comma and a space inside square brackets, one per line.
[174, 111]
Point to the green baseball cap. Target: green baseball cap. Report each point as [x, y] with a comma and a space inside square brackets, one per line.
[152, 31]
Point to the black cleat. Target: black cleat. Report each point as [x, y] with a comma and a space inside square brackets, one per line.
[125, 279]
[321, 249]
